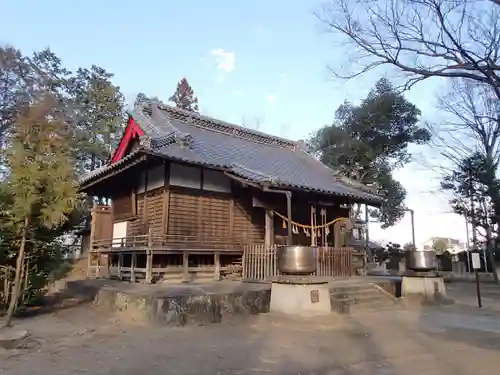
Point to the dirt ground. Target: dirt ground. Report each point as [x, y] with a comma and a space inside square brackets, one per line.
[454, 340]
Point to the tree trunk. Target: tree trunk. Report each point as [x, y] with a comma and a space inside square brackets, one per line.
[490, 245]
[16, 290]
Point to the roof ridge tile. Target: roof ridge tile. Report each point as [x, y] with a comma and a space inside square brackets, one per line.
[211, 123]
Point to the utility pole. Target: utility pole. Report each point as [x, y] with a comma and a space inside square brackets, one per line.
[473, 213]
[412, 215]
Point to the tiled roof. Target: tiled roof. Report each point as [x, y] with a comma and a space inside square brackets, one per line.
[249, 154]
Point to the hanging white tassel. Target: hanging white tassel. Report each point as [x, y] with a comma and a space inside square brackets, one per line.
[306, 232]
[327, 230]
[295, 229]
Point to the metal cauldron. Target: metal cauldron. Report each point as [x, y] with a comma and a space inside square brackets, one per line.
[297, 260]
[421, 260]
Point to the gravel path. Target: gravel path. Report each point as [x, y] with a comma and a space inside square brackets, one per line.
[84, 341]
[453, 340]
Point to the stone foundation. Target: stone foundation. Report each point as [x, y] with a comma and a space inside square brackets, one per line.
[185, 308]
[304, 300]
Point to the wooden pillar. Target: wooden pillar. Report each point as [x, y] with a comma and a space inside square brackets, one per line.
[98, 266]
[185, 266]
[120, 265]
[91, 244]
[289, 240]
[231, 218]
[269, 228]
[217, 266]
[89, 263]
[149, 257]
[133, 262]
[166, 200]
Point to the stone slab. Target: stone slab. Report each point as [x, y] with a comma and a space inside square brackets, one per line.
[12, 338]
[174, 305]
[303, 300]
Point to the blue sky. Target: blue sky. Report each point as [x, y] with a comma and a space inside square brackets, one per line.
[244, 59]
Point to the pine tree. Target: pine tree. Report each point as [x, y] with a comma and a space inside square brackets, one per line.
[41, 180]
[369, 141]
[184, 97]
[97, 112]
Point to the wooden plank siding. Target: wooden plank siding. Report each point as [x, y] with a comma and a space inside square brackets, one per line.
[182, 212]
[154, 214]
[249, 222]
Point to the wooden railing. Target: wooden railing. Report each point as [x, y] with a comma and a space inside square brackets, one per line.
[260, 263]
[166, 243]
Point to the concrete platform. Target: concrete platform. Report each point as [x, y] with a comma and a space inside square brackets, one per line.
[185, 304]
[180, 304]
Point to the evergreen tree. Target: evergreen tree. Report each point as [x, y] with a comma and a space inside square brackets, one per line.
[184, 97]
[41, 177]
[97, 113]
[369, 141]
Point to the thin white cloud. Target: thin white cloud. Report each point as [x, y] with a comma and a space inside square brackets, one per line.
[271, 98]
[225, 60]
[260, 30]
[283, 77]
[237, 92]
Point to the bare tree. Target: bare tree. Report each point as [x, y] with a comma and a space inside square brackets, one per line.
[255, 123]
[470, 140]
[472, 122]
[422, 38]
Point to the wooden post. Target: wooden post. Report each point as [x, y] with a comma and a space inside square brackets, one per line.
[89, 262]
[185, 266]
[269, 229]
[217, 266]
[98, 266]
[244, 255]
[289, 240]
[91, 245]
[231, 218]
[120, 265]
[149, 257]
[166, 205]
[133, 262]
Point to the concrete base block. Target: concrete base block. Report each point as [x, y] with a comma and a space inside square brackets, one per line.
[304, 300]
[427, 287]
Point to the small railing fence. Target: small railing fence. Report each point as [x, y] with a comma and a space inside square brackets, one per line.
[260, 262]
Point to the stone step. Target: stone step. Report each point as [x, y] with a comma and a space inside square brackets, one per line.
[361, 298]
[351, 288]
[376, 306]
[358, 292]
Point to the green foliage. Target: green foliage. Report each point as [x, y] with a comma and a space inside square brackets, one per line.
[93, 106]
[42, 177]
[475, 189]
[97, 115]
[184, 97]
[40, 193]
[369, 141]
[56, 125]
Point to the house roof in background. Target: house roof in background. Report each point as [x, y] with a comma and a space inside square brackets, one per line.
[264, 159]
